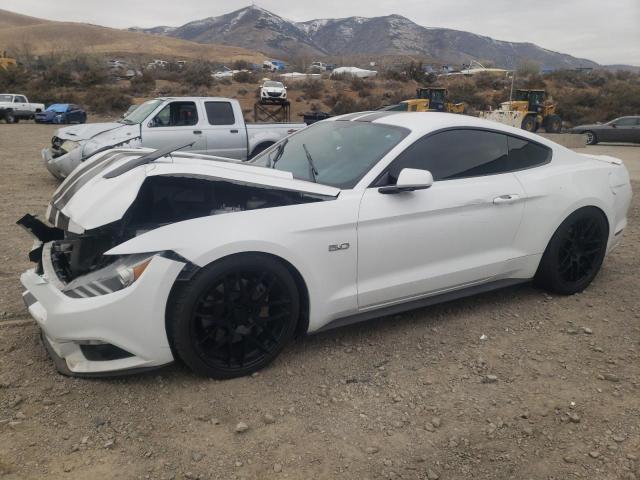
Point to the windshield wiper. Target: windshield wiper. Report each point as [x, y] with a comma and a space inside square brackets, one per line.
[312, 167]
[280, 151]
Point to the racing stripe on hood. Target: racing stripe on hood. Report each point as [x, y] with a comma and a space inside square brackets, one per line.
[87, 175]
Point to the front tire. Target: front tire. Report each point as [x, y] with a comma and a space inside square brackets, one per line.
[234, 316]
[529, 123]
[575, 253]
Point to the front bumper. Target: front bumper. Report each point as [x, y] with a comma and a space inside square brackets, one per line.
[61, 166]
[132, 319]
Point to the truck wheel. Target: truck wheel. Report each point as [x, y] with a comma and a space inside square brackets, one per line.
[9, 117]
[529, 123]
[553, 124]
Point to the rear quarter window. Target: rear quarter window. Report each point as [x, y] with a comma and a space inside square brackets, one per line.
[524, 154]
[220, 113]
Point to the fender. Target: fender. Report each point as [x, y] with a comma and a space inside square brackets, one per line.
[300, 234]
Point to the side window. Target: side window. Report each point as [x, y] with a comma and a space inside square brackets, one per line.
[625, 122]
[220, 113]
[455, 154]
[523, 154]
[176, 114]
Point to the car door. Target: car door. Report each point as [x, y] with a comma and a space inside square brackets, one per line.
[225, 133]
[20, 106]
[457, 233]
[622, 130]
[176, 123]
[73, 114]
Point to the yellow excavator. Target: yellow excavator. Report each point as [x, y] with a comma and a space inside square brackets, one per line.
[428, 100]
[6, 61]
[529, 110]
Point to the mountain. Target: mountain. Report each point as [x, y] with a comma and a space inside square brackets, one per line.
[40, 36]
[251, 27]
[258, 29]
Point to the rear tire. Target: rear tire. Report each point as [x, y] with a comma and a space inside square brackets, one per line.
[591, 138]
[575, 253]
[529, 123]
[234, 316]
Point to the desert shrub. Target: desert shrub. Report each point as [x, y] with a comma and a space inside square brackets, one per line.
[241, 65]
[341, 104]
[358, 84]
[106, 99]
[197, 74]
[93, 75]
[142, 84]
[464, 90]
[13, 78]
[312, 88]
[242, 91]
[224, 81]
[57, 76]
[245, 77]
[394, 75]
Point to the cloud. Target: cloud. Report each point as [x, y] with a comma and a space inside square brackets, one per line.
[606, 32]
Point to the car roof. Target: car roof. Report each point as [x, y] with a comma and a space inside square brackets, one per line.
[421, 123]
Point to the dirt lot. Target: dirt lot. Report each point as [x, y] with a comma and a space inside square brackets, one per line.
[513, 384]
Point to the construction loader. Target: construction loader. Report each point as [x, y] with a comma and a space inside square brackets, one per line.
[530, 110]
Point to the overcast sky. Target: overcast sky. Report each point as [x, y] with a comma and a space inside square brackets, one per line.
[605, 31]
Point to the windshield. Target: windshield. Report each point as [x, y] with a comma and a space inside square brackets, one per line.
[273, 84]
[335, 153]
[438, 96]
[141, 113]
[57, 107]
[6, 98]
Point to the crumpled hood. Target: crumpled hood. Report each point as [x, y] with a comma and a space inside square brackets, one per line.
[93, 136]
[87, 200]
[89, 130]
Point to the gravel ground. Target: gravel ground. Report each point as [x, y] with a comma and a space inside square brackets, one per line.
[514, 384]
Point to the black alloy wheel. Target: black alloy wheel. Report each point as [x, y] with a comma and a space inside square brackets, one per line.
[235, 316]
[575, 253]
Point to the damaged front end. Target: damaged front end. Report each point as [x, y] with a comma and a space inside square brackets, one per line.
[103, 313]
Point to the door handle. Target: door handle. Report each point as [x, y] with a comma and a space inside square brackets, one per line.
[506, 199]
[233, 131]
[198, 132]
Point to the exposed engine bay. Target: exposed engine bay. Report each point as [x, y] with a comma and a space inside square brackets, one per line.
[162, 200]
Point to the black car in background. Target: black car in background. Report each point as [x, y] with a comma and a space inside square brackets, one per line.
[62, 113]
[623, 129]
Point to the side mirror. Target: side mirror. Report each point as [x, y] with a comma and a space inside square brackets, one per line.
[409, 180]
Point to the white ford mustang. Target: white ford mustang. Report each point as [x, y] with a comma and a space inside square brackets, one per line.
[149, 256]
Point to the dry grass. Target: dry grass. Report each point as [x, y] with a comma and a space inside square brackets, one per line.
[42, 37]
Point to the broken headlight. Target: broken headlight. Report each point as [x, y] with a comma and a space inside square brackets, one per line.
[116, 276]
[69, 145]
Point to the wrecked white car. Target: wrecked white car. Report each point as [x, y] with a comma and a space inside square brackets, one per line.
[209, 125]
[154, 255]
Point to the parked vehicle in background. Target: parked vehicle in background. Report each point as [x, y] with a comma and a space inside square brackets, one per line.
[273, 65]
[530, 110]
[15, 107]
[273, 92]
[623, 129]
[156, 255]
[62, 113]
[318, 67]
[208, 125]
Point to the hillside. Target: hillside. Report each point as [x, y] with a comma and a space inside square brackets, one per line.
[256, 28]
[44, 36]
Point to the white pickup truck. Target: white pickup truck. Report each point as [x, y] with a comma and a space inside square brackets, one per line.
[212, 125]
[14, 108]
